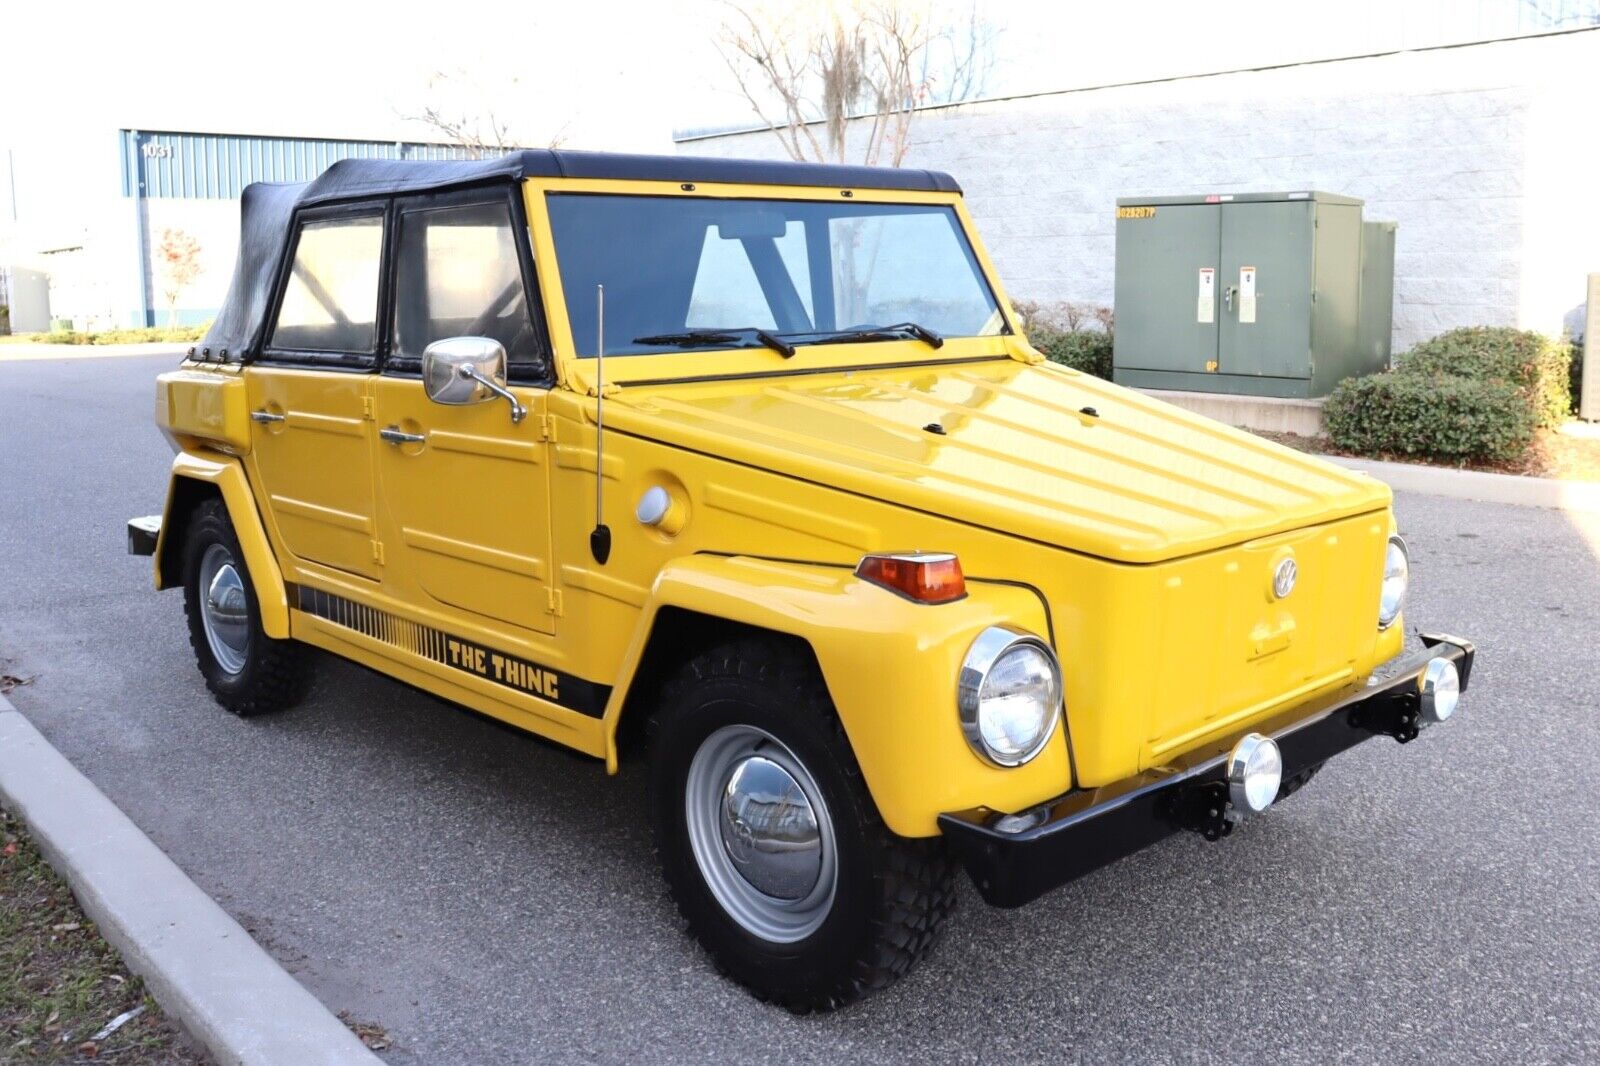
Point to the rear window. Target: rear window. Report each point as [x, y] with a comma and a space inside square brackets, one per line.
[331, 301]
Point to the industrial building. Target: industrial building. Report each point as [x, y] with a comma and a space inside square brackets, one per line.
[103, 267]
[1483, 154]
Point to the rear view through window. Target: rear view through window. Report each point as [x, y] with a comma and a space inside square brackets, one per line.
[690, 272]
[331, 302]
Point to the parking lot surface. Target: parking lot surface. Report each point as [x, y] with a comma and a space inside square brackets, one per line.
[489, 898]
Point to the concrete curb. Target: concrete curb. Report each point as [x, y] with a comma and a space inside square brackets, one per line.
[1572, 496]
[201, 966]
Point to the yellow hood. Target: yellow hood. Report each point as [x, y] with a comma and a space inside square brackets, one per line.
[1137, 480]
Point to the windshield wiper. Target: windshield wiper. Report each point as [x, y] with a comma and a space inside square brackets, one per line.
[886, 333]
[710, 338]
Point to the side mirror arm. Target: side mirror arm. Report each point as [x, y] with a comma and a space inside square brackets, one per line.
[518, 410]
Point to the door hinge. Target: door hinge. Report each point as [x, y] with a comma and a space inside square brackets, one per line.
[377, 551]
[553, 602]
[366, 408]
[547, 427]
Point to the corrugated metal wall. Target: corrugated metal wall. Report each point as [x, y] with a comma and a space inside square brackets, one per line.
[208, 166]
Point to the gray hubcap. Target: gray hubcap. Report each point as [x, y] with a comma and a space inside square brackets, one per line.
[761, 834]
[224, 611]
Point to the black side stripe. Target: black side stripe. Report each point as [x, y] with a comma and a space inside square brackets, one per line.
[502, 668]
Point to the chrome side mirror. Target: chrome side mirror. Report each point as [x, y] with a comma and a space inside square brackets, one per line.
[466, 370]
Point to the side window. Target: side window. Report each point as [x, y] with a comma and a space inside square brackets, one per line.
[459, 276]
[331, 301]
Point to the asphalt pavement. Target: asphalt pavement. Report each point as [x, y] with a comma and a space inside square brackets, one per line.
[489, 898]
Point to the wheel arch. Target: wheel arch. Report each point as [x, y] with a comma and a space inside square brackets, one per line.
[198, 477]
[889, 666]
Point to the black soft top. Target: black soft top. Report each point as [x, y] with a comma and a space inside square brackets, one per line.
[266, 210]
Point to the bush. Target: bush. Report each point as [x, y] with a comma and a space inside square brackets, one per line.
[174, 334]
[1537, 365]
[1088, 350]
[1433, 415]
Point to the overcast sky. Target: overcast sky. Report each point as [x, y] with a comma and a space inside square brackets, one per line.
[607, 74]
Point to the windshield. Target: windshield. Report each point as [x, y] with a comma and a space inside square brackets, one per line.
[693, 272]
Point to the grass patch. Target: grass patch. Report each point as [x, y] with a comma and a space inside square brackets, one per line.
[60, 983]
[152, 335]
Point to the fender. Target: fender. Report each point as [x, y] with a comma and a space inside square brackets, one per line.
[226, 475]
[890, 665]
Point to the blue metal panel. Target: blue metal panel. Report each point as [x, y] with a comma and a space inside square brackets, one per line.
[218, 166]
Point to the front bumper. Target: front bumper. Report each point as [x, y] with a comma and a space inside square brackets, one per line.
[1015, 858]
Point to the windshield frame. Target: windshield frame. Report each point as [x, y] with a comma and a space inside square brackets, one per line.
[740, 361]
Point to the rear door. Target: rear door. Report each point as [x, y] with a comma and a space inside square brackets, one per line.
[465, 491]
[310, 388]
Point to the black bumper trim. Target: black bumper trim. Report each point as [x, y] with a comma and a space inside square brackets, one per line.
[143, 533]
[1014, 859]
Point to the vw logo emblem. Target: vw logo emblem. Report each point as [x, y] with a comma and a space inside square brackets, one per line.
[1283, 578]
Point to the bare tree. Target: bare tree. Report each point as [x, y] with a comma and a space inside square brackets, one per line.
[807, 69]
[469, 119]
[178, 263]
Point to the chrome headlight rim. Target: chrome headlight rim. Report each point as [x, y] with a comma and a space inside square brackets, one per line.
[1395, 541]
[985, 652]
[1439, 690]
[1242, 782]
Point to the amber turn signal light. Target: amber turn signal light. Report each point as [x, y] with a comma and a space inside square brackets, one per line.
[926, 577]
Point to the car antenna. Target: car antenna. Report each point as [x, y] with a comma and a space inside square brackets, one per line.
[600, 539]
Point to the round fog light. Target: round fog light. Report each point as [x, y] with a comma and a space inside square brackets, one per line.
[1255, 769]
[1440, 685]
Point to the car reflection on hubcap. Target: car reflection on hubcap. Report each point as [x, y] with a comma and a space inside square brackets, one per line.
[761, 834]
[224, 611]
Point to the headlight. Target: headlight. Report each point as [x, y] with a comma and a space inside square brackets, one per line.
[1009, 695]
[1255, 771]
[1396, 575]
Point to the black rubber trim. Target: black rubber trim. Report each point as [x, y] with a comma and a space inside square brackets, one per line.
[1079, 832]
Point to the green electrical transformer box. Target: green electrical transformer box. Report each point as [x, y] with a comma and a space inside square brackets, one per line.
[1259, 294]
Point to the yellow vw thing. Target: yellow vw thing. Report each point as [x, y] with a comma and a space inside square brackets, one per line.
[747, 467]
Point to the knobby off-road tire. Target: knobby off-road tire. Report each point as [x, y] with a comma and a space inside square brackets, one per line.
[248, 672]
[890, 894]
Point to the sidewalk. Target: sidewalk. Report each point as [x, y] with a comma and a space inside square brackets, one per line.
[200, 964]
[14, 353]
[1572, 496]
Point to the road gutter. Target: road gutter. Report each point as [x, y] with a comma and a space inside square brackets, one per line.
[199, 964]
[1571, 496]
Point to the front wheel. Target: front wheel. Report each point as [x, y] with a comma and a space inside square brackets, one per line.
[247, 671]
[770, 844]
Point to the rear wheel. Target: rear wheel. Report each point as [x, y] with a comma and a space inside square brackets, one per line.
[248, 672]
[771, 846]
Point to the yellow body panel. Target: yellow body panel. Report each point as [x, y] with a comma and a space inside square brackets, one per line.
[1137, 538]
[206, 404]
[227, 475]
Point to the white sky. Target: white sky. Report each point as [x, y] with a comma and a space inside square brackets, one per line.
[609, 74]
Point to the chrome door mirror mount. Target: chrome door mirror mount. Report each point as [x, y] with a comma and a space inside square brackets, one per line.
[465, 370]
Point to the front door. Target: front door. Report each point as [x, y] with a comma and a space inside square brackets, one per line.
[465, 490]
[309, 391]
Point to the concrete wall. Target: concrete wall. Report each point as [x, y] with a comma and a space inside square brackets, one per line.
[1470, 150]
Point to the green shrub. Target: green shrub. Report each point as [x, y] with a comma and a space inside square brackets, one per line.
[1088, 350]
[1541, 367]
[148, 335]
[1435, 416]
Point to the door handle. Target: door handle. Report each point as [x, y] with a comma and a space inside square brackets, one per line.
[265, 416]
[396, 435]
[1227, 297]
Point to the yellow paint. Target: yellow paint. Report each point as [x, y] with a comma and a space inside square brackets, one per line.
[227, 475]
[1142, 537]
[1136, 212]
